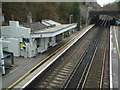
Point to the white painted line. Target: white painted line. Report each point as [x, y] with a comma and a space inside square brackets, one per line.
[111, 44]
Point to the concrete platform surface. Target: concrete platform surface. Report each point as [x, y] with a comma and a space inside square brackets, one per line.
[114, 57]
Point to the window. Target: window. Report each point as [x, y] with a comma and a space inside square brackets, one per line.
[26, 40]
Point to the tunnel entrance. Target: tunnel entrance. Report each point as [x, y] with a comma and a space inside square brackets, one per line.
[94, 16]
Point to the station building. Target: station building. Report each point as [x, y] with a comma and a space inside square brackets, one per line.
[29, 39]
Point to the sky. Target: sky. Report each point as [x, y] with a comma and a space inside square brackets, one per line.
[104, 2]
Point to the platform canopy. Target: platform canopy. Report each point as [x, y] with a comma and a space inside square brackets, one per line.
[53, 31]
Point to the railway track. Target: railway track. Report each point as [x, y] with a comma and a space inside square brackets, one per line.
[96, 73]
[105, 79]
[71, 69]
[56, 76]
[76, 78]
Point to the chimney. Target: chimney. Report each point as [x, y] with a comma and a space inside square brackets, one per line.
[29, 18]
[14, 23]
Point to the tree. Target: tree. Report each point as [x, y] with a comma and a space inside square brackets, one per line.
[58, 11]
[119, 5]
[76, 13]
[14, 11]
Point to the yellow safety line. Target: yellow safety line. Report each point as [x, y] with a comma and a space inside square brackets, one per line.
[117, 42]
[41, 62]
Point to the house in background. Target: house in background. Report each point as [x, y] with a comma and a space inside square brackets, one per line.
[32, 38]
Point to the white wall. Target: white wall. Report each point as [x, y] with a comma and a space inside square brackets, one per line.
[29, 49]
[15, 33]
[13, 46]
[46, 42]
[34, 47]
[53, 42]
[20, 32]
[5, 31]
[42, 43]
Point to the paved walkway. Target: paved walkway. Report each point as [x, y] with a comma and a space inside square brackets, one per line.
[118, 33]
[24, 65]
[114, 57]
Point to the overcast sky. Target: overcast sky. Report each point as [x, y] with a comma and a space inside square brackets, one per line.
[103, 2]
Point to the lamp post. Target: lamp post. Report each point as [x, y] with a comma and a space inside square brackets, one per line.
[80, 23]
[70, 17]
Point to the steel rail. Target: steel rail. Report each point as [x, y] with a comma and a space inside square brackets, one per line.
[101, 80]
[95, 42]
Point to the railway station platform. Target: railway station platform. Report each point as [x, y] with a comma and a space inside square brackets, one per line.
[24, 70]
[114, 57]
